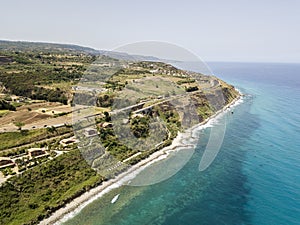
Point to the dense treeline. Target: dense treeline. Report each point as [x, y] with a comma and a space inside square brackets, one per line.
[5, 105]
[26, 85]
[39, 93]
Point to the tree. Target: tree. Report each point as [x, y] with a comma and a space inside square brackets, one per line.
[51, 129]
[19, 125]
[107, 116]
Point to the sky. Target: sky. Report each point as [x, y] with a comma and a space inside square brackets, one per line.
[223, 30]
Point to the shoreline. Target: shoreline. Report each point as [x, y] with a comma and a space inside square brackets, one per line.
[77, 204]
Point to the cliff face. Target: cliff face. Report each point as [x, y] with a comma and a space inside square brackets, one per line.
[229, 92]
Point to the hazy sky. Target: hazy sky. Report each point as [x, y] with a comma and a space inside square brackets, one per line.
[223, 30]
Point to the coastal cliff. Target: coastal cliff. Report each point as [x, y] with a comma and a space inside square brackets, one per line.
[139, 111]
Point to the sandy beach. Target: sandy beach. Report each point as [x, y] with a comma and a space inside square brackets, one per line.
[75, 206]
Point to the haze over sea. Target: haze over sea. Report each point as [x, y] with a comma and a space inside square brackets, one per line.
[255, 178]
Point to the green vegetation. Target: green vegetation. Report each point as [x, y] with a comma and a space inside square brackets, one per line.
[140, 126]
[3, 112]
[7, 171]
[56, 183]
[52, 144]
[205, 111]
[19, 125]
[186, 81]
[30, 71]
[15, 139]
[105, 100]
[113, 145]
[61, 114]
[6, 105]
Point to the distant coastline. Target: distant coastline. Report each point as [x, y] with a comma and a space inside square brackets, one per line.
[76, 205]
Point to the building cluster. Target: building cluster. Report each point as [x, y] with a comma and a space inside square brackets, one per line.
[7, 162]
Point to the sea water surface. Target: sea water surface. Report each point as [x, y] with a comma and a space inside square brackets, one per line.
[255, 178]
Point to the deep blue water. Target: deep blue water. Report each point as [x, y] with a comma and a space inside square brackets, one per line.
[272, 160]
[255, 178]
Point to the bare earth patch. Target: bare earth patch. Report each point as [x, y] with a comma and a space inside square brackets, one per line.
[36, 115]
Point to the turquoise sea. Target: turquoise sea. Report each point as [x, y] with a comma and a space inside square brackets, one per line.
[255, 178]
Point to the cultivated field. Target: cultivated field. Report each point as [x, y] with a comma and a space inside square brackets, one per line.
[36, 115]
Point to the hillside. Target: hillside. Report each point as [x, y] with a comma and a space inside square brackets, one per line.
[23, 46]
[56, 99]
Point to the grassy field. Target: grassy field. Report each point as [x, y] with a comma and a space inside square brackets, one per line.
[14, 139]
[3, 112]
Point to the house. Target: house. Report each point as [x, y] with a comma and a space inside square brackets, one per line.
[37, 152]
[68, 141]
[6, 162]
[90, 132]
[105, 125]
[140, 115]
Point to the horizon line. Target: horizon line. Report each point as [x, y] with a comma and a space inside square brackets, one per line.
[96, 49]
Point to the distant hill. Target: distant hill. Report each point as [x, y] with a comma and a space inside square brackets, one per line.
[37, 70]
[59, 48]
[40, 46]
[128, 57]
